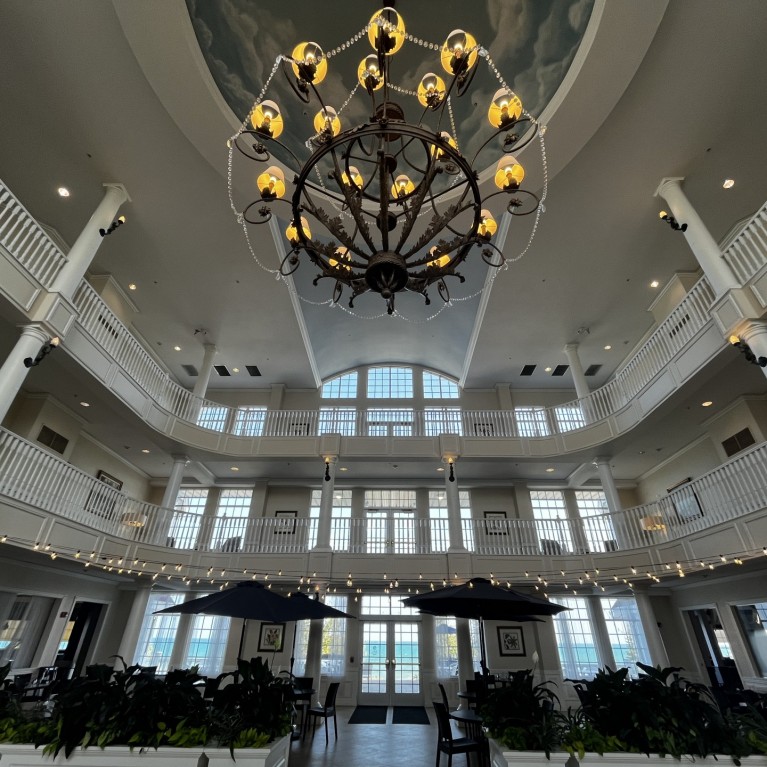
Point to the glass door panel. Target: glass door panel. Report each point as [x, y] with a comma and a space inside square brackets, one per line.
[407, 666]
[391, 671]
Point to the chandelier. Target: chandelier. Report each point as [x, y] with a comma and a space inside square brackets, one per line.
[392, 203]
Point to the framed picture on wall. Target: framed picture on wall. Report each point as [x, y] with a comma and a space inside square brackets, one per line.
[685, 501]
[285, 523]
[511, 640]
[272, 637]
[493, 523]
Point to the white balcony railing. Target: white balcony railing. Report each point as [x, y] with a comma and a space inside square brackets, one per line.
[747, 254]
[26, 241]
[33, 476]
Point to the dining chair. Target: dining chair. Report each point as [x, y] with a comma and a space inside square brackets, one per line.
[326, 711]
[447, 743]
[302, 687]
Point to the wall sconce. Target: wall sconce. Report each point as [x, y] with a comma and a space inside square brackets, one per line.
[46, 348]
[451, 477]
[116, 223]
[327, 470]
[749, 355]
[672, 222]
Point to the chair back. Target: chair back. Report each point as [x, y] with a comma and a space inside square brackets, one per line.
[444, 695]
[330, 696]
[443, 722]
[303, 682]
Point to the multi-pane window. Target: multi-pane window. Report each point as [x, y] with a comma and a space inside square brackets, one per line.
[208, 636]
[753, 621]
[340, 519]
[340, 387]
[390, 383]
[569, 417]
[576, 644]
[213, 417]
[551, 523]
[531, 422]
[338, 420]
[397, 422]
[187, 516]
[438, 524]
[334, 639]
[231, 519]
[249, 421]
[442, 420]
[301, 648]
[383, 604]
[445, 648]
[438, 387]
[596, 520]
[467, 524]
[314, 518]
[476, 645]
[624, 627]
[158, 632]
[390, 521]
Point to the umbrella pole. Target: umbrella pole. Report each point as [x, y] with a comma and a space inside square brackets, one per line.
[242, 638]
[482, 650]
[293, 649]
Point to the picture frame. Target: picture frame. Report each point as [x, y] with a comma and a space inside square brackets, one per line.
[101, 501]
[271, 638]
[493, 525]
[285, 523]
[511, 640]
[685, 501]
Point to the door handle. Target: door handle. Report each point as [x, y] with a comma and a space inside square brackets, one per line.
[394, 663]
[386, 662]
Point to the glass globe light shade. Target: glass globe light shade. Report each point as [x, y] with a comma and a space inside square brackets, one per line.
[459, 46]
[402, 186]
[369, 73]
[505, 108]
[292, 233]
[315, 64]
[393, 36]
[327, 120]
[267, 119]
[439, 260]
[343, 255]
[353, 178]
[509, 173]
[431, 90]
[487, 224]
[271, 183]
[438, 153]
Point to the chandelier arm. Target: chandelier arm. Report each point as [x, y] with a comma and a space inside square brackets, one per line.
[445, 248]
[411, 212]
[521, 142]
[263, 137]
[291, 262]
[487, 253]
[293, 81]
[265, 211]
[509, 205]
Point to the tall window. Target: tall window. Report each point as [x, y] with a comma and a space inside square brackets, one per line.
[438, 387]
[476, 645]
[551, 523]
[338, 420]
[187, 517]
[340, 519]
[158, 632]
[438, 524]
[624, 627]
[390, 521]
[569, 417]
[249, 421]
[213, 417]
[301, 649]
[753, 621]
[21, 628]
[206, 647]
[334, 639]
[467, 524]
[231, 519]
[445, 648]
[576, 644]
[442, 420]
[390, 383]
[596, 520]
[531, 422]
[340, 387]
[314, 518]
[396, 422]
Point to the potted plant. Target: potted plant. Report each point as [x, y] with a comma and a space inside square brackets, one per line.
[109, 717]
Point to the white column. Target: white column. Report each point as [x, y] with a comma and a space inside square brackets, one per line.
[579, 379]
[453, 507]
[465, 665]
[314, 658]
[702, 244]
[130, 635]
[658, 655]
[612, 498]
[84, 249]
[326, 504]
[203, 378]
[14, 372]
[174, 481]
[754, 333]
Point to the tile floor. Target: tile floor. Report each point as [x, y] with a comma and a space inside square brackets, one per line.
[369, 745]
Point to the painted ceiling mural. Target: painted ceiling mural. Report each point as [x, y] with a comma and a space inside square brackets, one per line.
[532, 42]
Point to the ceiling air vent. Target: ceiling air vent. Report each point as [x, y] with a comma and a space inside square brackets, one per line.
[222, 370]
[52, 439]
[560, 370]
[253, 370]
[738, 442]
[527, 370]
[592, 370]
[191, 370]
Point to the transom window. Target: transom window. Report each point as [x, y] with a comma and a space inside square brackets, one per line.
[390, 383]
[341, 387]
[383, 604]
[438, 387]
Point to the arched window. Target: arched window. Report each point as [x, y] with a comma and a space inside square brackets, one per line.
[340, 387]
[438, 387]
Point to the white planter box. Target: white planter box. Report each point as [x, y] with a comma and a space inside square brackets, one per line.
[499, 757]
[24, 755]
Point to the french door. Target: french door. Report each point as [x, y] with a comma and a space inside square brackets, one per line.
[391, 668]
[390, 531]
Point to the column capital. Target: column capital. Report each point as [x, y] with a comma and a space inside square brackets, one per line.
[330, 458]
[210, 347]
[602, 460]
[749, 329]
[177, 458]
[119, 189]
[37, 331]
[675, 181]
[571, 347]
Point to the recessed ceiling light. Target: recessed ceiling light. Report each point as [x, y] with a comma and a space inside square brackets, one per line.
[707, 403]
[63, 191]
[177, 348]
[729, 183]
[608, 347]
[145, 451]
[132, 286]
[235, 370]
[654, 284]
[234, 468]
[85, 404]
[641, 452]
[441, 468]
[343, 468]
[547, 370]
[550, 469]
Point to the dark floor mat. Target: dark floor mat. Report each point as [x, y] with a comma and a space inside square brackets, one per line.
[410, 715]
[368, 715]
